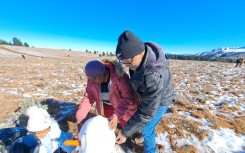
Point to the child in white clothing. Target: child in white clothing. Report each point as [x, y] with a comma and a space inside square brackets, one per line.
[47, 130]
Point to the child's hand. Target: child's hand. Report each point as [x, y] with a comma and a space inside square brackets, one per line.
[113, 121]
[79, 124]
[78, 121]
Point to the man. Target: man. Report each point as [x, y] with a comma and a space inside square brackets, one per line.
[152, 82]
[239, 62]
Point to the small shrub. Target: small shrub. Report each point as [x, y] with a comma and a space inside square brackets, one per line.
[20, 117]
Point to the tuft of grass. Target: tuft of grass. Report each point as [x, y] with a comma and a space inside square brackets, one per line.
[173, 142]
[194, 92]
[187, 149]
[202, 99]
[236, 92]
[191, 107]
[202, 135]
[20, 117]
[173, 111]
[197, 114]
[226, 89]
[239, 124]
[180, 100]
[160, 147]
[226, 108]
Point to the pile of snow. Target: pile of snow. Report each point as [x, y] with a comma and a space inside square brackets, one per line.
[95, 136]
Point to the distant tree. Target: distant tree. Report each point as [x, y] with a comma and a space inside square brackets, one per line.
[199, 58]
[86, 50]
[100, 55]
[107, 54]
[103, 53]
[3, 42]
[111, 54]
[25, 44]
[95, 52]
[230, 60]
[69, 49]
[17, 42]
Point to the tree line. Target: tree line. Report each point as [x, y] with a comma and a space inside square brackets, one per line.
[200, 58]
[15, 42]
[175, 56]
[101, 54]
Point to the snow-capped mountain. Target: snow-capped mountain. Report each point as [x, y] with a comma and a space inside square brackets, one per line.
[224, 52]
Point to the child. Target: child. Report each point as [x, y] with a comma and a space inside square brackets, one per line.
[47, 130]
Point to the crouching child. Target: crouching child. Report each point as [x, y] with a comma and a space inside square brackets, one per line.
[47, 130]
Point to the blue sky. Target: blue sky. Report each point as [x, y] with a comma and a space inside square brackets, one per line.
[179, 26]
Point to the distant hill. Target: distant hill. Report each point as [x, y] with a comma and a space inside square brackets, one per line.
[224, 53]
[17, 51]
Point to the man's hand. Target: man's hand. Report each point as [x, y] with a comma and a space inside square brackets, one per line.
[120, 138]
[113, 121]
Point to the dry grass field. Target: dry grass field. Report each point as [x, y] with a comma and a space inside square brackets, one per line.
[209, 96]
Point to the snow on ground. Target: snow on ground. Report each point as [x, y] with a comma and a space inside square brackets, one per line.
[217, 88]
